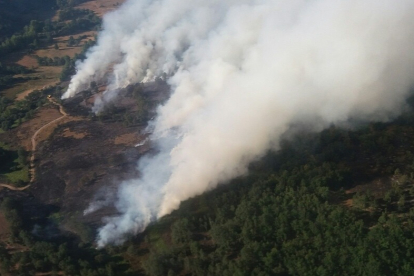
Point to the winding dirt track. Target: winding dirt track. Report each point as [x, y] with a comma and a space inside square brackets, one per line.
[10, 187]
[34, 145]
[34, 142]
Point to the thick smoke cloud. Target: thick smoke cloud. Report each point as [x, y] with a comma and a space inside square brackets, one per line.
[242, 72]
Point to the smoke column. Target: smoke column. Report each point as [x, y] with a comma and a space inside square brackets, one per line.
[242, 72]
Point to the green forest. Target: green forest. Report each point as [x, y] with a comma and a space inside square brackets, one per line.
[289, 217]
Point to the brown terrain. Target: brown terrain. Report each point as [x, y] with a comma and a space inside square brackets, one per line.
[76, 158]
[4, 228]
[72, 156]
[45, 76]
[80, 159]
[102, 6]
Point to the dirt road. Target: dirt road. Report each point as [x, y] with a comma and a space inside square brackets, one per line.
[34, 145]
[10, 187]
[34, 142]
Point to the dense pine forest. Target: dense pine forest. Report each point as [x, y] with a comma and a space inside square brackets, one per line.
[295, 213]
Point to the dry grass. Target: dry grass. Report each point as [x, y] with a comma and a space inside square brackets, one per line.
[24, 94]
[43, 77]
[349, 202]
[26, 130]
[28, 62]
[4, 227]
[102, 6]
[64, 50]
[128, 139]
[42, 136]
[77, 135]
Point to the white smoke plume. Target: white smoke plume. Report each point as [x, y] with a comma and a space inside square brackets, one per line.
[242, 72]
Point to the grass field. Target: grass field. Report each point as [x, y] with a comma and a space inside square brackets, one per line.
[44, 76]
[11, 170]
[19, 176]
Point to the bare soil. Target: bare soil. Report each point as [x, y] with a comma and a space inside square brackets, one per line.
[43, 77]
[128, 139]
[27, 61]
[65, 50]
[25, 131]
[77, 135]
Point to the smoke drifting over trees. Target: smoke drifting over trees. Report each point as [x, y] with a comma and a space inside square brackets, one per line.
[242, 72]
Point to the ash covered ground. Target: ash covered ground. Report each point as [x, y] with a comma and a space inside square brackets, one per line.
[87, 156]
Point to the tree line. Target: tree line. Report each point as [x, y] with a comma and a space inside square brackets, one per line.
[7, 74]
[42, 32]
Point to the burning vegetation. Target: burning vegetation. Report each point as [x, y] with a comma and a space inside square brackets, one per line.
[307, 120]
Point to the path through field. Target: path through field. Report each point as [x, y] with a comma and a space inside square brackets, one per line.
[34, 145]
[34, 142]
